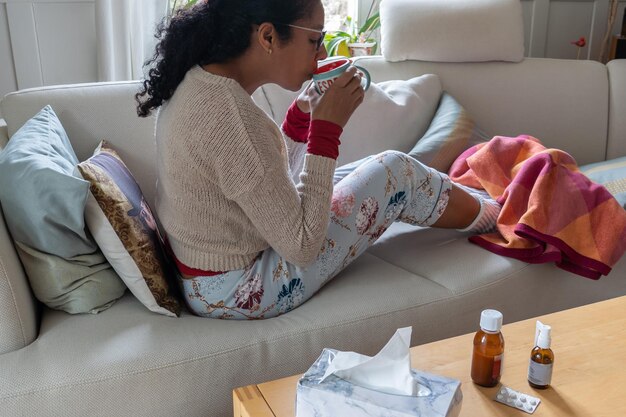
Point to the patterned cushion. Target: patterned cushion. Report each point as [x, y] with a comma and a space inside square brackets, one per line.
[611, 174]
[124, 227]
[451, 132]
[43, 200]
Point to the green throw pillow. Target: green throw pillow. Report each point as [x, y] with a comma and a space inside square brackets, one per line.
[451, 132]
[81, 284]
[611, 174]
[43, 200]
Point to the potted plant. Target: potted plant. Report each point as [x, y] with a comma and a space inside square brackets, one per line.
[354, 40]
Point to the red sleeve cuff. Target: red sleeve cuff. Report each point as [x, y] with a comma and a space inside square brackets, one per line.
[324, 139]
[296, 123]
[184, 269]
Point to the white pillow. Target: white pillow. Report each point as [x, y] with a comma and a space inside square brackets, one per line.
[393, 115]
[117, 255]
[452, 30]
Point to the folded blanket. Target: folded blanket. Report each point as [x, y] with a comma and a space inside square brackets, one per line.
[551, 212]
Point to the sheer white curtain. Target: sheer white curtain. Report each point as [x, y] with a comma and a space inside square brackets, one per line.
[125, 36]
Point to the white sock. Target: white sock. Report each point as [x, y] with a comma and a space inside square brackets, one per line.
[487, 216]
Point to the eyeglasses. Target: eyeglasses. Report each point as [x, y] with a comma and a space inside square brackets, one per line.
[322, 33]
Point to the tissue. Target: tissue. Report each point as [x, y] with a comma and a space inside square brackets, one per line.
[389, 371]
[350, 384]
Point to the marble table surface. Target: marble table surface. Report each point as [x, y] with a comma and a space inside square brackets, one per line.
[437, 396]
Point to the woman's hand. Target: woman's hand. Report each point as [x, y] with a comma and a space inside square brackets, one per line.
[340, 100]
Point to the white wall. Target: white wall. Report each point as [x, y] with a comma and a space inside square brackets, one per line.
[51, 41]
[550, 26]
[44, 42]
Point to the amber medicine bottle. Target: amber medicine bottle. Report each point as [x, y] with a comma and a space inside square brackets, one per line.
[541, 358]
[488, 350]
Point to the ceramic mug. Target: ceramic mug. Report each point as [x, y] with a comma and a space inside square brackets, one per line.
[328, 71]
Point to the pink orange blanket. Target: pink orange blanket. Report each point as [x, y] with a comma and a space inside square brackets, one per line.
[551, 212]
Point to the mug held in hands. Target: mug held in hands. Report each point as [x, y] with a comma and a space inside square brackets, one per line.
[328, 71]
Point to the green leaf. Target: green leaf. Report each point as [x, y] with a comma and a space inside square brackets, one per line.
[333, 44]
[343, 34]
[371, 24]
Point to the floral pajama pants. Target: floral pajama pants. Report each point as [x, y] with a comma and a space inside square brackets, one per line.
[368, 196]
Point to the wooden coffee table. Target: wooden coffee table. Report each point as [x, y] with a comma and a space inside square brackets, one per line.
[589, 378]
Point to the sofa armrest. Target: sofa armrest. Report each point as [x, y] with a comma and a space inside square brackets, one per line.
[18, 313]
[617, 109]
[4, 133]
[18, 308]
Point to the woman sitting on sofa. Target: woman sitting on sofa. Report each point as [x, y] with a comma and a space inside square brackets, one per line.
[259, 221]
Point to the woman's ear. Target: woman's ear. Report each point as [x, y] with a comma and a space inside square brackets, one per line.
[266, 36]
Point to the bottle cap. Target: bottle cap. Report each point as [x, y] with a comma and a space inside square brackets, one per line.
[543, 336]
[491, 320]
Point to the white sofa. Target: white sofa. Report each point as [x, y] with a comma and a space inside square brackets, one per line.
[127, 361]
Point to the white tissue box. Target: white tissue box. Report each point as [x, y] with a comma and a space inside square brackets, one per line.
[337, 397]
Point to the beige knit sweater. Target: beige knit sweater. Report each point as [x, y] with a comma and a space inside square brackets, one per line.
[224, 191]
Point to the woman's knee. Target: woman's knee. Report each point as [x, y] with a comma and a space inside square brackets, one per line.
[390, 157]
[392, 154]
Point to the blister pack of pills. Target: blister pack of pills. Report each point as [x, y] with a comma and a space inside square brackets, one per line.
[516, 399]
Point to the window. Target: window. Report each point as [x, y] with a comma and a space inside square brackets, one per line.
[337, 11]
[358, 10]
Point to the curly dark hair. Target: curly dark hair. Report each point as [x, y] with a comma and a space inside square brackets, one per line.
[212, 31]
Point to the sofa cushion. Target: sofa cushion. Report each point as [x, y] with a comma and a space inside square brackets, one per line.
[452, 30]
[81, 284]
[189, 366]
[44, 202]
[122, 223]
[393, 115]
[611, 174]
[451, 131]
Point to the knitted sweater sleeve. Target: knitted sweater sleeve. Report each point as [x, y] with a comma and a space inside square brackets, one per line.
[293, 219]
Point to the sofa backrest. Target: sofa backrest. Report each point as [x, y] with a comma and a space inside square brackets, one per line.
[565, 103]
[90, 113]
[562, 102]
[617, 108]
